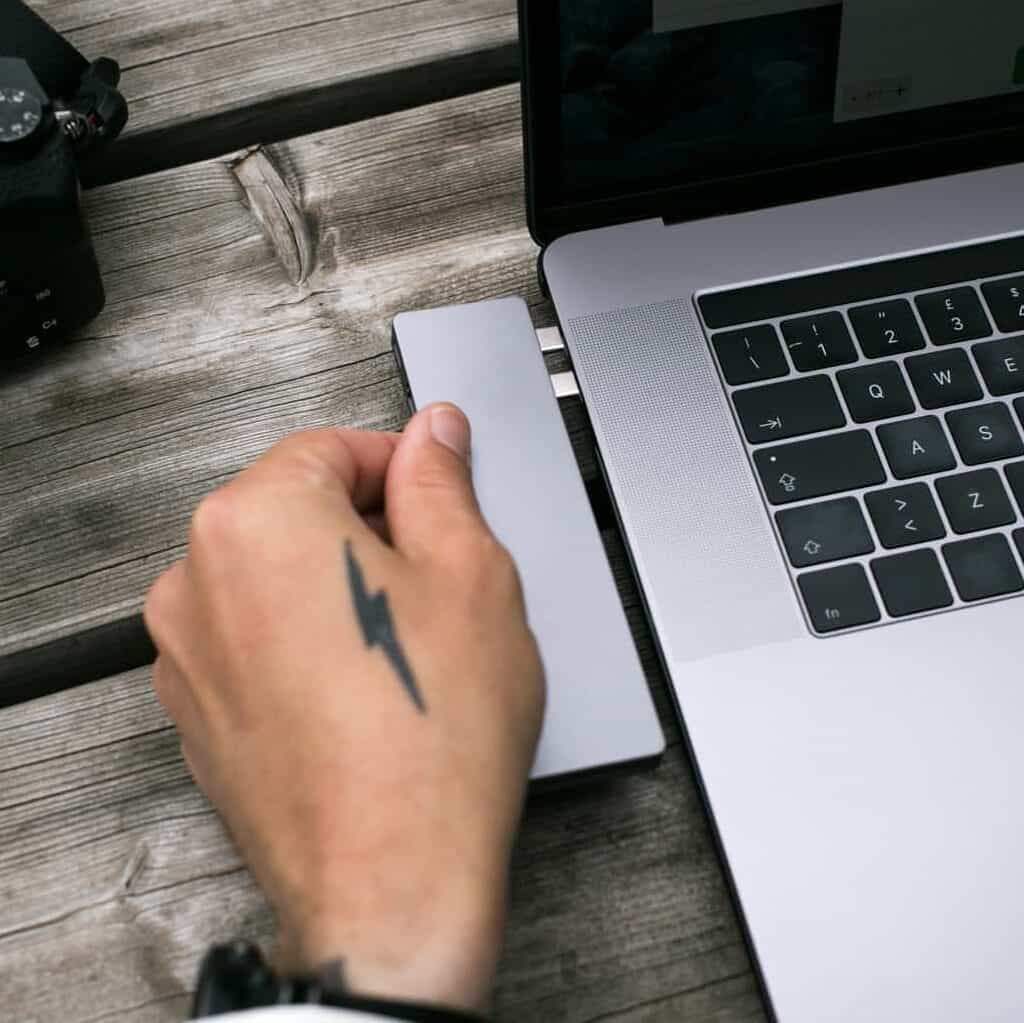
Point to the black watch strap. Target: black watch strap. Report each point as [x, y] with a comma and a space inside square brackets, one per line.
[236, 977]
[54, 61]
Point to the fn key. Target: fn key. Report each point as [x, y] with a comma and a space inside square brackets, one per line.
[839, 598]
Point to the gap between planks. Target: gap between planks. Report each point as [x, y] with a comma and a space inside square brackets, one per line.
[204, 78]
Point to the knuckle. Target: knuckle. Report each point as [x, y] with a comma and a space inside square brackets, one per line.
[503, 565]
[433, 476]
[501, 562]
[533, 691]
[487, 568]
[165, 690]
[158, 679]
[215, 520]
[319, 458]
[153, 606]
[160, 601]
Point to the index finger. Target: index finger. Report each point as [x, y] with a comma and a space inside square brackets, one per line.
[352, 463]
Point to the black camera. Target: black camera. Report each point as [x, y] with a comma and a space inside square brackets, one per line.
[56, 111]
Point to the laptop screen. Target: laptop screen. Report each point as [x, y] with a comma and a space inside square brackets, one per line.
[663, 93]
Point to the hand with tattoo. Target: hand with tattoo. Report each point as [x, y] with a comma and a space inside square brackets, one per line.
[345, 652]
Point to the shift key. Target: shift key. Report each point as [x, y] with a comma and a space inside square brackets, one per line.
[819, 467]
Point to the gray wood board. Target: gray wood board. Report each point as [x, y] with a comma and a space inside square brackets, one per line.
[203, 77]
[248, 297]
[115, 876]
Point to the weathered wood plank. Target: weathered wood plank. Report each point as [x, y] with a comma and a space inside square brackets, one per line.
[204, 77]
[115, 876]
[248, 297]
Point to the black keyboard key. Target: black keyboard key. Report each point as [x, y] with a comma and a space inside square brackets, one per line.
[819, 342]
[1015, 474]
[953, 315]
[916, 447]
[819, 533]
[750, 355]
[839, 598]
[1002, 364]
[985, 433]
[983, 567]
[975, 501]
[905, 516]
[1018, 539]
[945, 378]
[819, 467]
[789, 409]
[911, 583]
[876, 392]
[887, 328]
[1006, 302]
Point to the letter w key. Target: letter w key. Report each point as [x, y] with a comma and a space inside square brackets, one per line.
[944, 378]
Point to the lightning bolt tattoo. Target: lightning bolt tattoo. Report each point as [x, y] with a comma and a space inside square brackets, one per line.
[374, 616]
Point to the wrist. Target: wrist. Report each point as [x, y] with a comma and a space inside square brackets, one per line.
[235, 978]
[446, 956]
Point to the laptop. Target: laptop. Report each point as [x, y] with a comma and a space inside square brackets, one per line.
[785, 243]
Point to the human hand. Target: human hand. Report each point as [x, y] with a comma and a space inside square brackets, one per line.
[345, 653]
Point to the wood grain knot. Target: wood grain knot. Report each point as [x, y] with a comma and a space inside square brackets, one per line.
[134, 867]
[278, 212]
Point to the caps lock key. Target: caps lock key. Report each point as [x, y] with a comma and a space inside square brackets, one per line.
[819, 467]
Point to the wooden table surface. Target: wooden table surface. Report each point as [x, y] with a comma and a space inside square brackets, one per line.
[296, 172]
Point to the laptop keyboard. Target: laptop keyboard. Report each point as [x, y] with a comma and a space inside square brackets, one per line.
[882, 407]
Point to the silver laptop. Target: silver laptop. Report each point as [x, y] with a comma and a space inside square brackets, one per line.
[785, 241]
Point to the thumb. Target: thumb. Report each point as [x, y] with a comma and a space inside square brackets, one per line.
[430, 496]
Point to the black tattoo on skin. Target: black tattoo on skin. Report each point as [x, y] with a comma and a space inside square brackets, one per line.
[374, 616]
[331, 976]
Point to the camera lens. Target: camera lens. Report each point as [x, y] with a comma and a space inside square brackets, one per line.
[21, 113]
